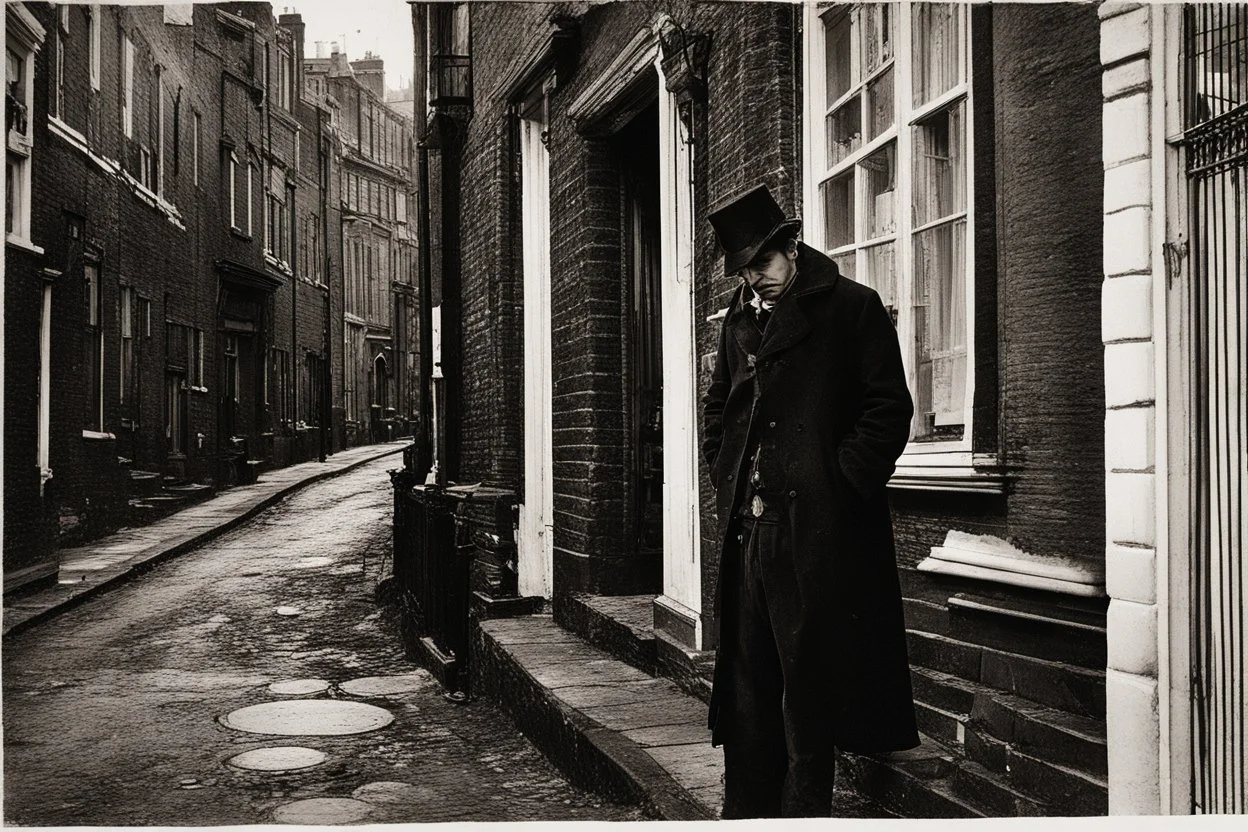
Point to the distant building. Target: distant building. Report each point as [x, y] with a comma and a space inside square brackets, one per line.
[174, 287]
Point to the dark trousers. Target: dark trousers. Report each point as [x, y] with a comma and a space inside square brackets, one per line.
[779, 755]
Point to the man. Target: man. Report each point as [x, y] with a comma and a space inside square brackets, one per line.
[806, 414]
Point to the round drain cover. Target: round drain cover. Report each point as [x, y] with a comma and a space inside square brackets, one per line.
[322, 811]
[386, 685]
[299, 687]
[308, 718]
[278, 758]
[386, 792]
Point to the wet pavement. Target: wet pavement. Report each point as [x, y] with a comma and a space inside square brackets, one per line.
[139, 707]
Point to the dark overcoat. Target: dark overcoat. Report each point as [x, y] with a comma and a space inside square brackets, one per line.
[826, 392]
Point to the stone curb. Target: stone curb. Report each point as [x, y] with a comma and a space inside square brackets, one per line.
[590, 754]
[139, 566]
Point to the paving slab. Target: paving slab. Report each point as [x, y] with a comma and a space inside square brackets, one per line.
[93, 567]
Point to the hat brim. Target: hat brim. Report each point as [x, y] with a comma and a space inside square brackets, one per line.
[735, 261]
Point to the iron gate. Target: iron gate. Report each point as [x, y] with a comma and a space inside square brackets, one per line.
[1215, 59]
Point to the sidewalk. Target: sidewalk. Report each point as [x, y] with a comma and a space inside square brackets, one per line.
[89, 569]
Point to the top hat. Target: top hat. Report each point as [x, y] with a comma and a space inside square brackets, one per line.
[745, 223]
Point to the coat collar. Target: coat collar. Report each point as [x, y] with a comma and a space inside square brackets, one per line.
[816, 273]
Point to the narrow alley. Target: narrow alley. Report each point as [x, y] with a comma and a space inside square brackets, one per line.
[115, 712]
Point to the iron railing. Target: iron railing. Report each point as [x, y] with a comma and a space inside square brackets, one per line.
[1215, 142]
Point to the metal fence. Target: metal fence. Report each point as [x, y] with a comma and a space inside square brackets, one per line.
[1216, 149]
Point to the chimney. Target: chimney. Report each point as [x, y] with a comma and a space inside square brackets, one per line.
[370, 72]
[294, 23]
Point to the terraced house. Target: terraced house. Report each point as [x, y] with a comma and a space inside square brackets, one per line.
[1049, 221]
[174, 268]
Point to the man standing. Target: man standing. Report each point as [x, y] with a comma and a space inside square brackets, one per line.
[805, 416]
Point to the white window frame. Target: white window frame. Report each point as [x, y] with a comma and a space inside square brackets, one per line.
[250, 195]
[95, 321]
[954, 456]
[145, 167]
[195, 129]
[159, 178]
[233, 165]
[94, 22]
[126, 304]
[127, 87]
[24, 37]
[60, 35]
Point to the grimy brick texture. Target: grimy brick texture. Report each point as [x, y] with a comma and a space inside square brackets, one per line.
[167, 250]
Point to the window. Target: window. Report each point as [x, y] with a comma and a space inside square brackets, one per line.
[889, 181]
[127, 87]
[93, 349]
[195, 149]
[93, 22]
[158, 91]
[250, 194]
[60, 38]
[145, 317]
[127, 314]
[195, 357]
[283, 80]
[230, 353]
[23, 38]
[145, 167]
[276, 385]
[277, 227]
[450, 66]
[233, 189]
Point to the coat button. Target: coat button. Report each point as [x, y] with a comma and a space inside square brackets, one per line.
[771, 424]
[800, 427]
[792, 493]
[729, 478]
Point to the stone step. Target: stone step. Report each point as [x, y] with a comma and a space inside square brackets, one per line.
[1035, 623]
[620, 625]
[944, 690]
[947, 726]
[975, 783]
[1052, 735]
[1070, 791]
[1052, 631]
[912, 784]
[1059, 685]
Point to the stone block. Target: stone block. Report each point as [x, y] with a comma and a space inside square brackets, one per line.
[1124, 78]
[1125, 129]
[1129, 440]
[1128, 185]
[1132, 637]
[1130, 509]
[1127, 238]
[1125, 35]
[1129, 374]
[1131, 573]
[1133, 730]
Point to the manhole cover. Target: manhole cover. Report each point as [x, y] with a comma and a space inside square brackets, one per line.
[308, 563]
[289, 611]
[299, 687]
[278, 758]
[308, 718]
[322, 810]
[390, 792]
[386, 685]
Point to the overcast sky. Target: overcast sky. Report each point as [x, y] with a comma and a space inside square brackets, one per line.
[381, 26]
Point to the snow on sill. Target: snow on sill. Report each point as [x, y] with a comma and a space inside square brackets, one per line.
[98, 436]
[21, 242]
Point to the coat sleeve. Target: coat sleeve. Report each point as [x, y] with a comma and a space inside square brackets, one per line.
[868, 452]
[713, 405]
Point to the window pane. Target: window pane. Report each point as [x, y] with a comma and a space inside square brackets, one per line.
[937, 45]
[880, 104]
[836, 27]
[940, 330]
[881, 275]
[875, 22]
[11, 194]
[838, 209]
[844, 131]
[881, 172]
[940, 165]
[847, 264]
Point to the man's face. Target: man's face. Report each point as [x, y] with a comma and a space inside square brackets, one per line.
[770, 271]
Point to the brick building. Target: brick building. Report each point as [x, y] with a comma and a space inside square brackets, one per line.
[173, 274]
[379, 345]
[932, 151]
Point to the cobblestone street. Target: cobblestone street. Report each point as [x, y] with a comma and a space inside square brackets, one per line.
[111, 710]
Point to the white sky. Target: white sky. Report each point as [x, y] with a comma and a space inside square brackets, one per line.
[382, 26]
